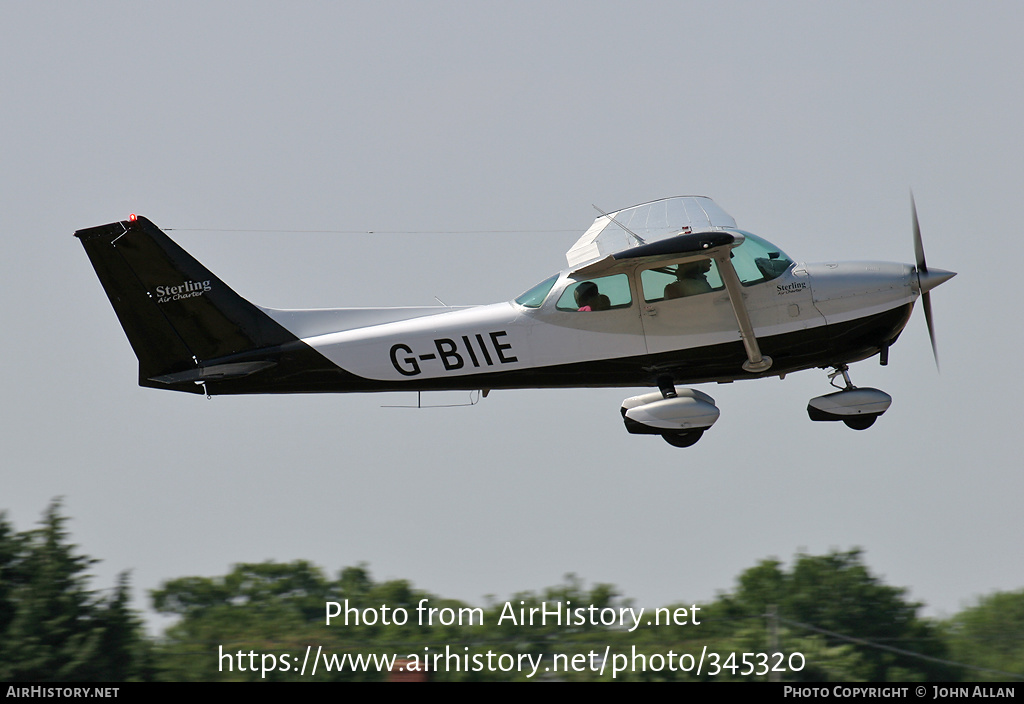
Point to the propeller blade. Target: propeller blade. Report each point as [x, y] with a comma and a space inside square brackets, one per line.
[926, 300]
[918, 245]
[926, 280]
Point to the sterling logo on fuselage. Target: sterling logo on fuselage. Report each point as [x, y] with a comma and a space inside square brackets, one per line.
[478, 351]
[783, 289]
[189, 289]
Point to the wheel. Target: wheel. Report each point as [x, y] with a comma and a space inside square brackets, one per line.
[683, 439]
[860, 422]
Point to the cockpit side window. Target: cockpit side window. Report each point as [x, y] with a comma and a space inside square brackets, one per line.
[603, 293]
[536, 295]
[680, 280]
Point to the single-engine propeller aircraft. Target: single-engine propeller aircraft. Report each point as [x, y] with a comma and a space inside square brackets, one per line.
[660, 294]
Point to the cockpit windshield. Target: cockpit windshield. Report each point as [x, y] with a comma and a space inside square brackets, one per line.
[758, 260]
[536, 295]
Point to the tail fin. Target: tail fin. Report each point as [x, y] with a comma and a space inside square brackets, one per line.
[179, 317]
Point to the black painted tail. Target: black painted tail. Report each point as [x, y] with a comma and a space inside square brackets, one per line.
[186, 326]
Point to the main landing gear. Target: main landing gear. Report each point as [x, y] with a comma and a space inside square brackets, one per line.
[858, 408]
[681, 415]
[685, 439]
[677, 414]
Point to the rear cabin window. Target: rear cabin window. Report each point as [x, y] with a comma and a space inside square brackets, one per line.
[603, 293]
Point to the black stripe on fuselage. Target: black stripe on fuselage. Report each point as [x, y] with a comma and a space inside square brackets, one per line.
[301, 369]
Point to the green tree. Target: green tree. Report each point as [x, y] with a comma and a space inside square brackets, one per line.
[266, 607]
[52, 626]
[280, 608]
[990, 636]
[836, 600]
[10, 561]
[124, 652]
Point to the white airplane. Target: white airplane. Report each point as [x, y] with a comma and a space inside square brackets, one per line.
[664, 293]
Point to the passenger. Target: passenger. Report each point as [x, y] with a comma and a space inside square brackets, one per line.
[691, 280]
[587, 296]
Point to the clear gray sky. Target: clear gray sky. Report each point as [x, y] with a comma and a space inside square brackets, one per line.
[808, 122]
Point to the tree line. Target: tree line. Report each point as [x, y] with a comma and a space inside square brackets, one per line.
[844, 622]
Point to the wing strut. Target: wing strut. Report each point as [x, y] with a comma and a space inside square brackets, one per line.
[756, 362]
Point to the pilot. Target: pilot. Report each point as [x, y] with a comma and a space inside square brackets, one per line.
[587, 296]
[691, 279]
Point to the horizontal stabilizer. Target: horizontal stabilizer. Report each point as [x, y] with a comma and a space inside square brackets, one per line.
[217, 372]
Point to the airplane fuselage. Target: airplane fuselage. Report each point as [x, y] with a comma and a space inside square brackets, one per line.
[815, 315]
[664, 293]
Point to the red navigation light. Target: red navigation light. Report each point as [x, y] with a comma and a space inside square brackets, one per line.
[133, 217]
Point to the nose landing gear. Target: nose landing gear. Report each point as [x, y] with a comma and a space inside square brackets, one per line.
[858, 408]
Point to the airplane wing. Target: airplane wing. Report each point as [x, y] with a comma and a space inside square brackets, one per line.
[646, 224]
[706, 243]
